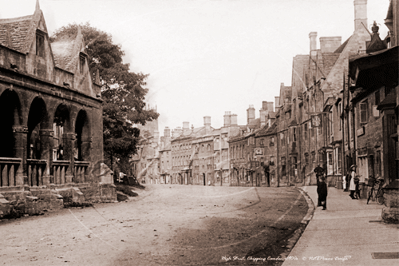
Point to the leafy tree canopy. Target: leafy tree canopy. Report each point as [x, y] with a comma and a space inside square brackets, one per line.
[122, 91]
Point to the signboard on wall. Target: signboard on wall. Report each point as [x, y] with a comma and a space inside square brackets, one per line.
[316, 120]
[258, 151]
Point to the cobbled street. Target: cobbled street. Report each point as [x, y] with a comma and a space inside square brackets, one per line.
[164, 225]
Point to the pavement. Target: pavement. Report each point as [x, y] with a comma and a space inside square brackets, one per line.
[349, 232]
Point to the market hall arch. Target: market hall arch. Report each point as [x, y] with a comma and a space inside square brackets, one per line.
[38, 143]
[82, 147]
[11, 139]
[61, 168]
[61, 127]
[83, 137]
[10, 118]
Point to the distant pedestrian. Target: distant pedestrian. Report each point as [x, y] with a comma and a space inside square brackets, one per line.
[322, 192]
[357, 190]
[352, 185]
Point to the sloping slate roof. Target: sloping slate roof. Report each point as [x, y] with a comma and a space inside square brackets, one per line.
[342, 47]
[66, 51]
[254, 123]
[293, 123]
[191, 133]
[262, 131]
[265, 131]
[14, 33]
[330, 101]
[329, 60]
[62, 52]
[167, 147]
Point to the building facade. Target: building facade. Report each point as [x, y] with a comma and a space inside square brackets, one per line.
[165, 158]
[266, 154]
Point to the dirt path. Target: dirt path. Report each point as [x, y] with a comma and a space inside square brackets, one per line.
[165, 225]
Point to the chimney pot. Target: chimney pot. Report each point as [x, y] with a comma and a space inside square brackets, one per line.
[313, 44]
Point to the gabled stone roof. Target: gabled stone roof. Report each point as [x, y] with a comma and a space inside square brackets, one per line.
[66, 51]
[14, 33]
[19, 33]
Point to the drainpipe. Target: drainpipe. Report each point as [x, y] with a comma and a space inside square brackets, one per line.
[354, 134]
[347, 124]
[277, 159]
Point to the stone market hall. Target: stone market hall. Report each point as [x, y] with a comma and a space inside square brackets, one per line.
[51, 142]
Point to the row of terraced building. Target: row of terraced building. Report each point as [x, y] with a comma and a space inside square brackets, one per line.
[341, 109]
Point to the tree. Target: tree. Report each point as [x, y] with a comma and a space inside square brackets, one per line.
[122, 91]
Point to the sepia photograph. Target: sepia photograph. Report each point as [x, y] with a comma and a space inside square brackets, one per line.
[199, 132]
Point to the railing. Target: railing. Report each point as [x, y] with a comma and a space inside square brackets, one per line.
[60, 168]
[35, 171]
[80, 171]
[8, 167]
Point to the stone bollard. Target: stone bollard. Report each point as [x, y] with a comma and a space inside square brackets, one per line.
[390, 213]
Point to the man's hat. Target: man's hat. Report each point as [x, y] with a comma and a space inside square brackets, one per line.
[353, 166]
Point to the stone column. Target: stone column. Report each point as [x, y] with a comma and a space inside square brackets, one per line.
[46, 153]
[86, 149]
[390, 213]
[69, 142]
[21, 135]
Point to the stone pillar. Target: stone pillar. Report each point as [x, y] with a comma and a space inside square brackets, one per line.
[69, 142]
[86, 148]
[46, 153]
[390, 213]
[21, 135]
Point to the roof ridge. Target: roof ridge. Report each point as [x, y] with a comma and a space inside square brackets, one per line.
[17, 19]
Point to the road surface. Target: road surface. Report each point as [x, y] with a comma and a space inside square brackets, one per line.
[164, 225]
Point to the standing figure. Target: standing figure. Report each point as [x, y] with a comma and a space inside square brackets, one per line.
[357, 190]
[322, 191]
[344, 183]
[352, 185]
[319, 173]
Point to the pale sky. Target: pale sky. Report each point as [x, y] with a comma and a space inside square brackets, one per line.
[206, 57]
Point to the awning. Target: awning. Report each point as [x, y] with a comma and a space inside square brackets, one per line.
[375, 69]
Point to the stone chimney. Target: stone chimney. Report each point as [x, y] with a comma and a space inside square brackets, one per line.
[329, 44]
[264, 105]
[156, 136]
[233, 120]
[186, 126]
[250, 113]
[207, 124]
[176, 132]
[262, 114]
[227, 119]
[270, 106]
[361, 31]
[166, 132]
[313, 43]
[360, 15]
[277, 102]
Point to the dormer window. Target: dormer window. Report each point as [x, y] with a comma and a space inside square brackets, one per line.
[39, 44]
[82, 61]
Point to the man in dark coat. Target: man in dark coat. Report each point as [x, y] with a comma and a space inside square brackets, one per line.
[322, 191]
[319, 173]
